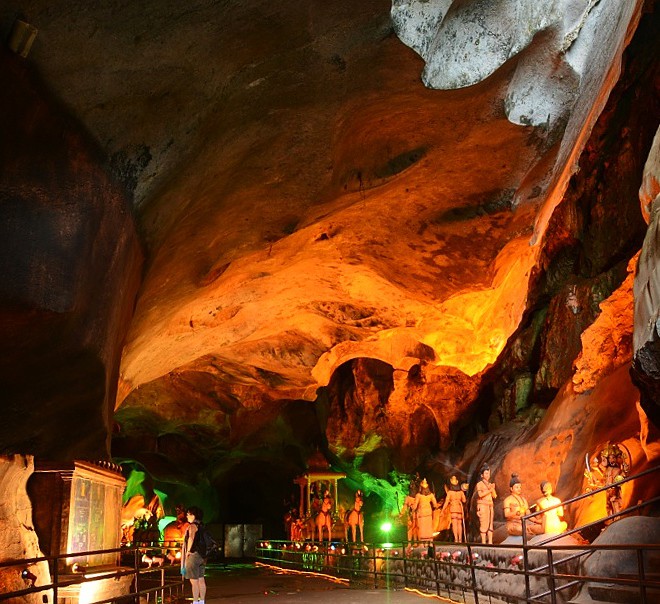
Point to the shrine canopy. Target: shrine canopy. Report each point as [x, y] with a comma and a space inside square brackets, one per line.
[318, 478]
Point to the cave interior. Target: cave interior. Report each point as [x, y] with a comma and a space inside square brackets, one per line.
[240, 236]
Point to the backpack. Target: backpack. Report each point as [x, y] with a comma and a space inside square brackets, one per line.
[206, 543]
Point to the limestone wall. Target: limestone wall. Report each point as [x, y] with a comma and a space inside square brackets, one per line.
[18, 539]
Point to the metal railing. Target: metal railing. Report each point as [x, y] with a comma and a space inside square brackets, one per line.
[546, 571]
[163, 583]
[466, 572]
[581, 551]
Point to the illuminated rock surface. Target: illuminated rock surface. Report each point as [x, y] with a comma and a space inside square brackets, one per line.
[647, 286]
[335, 255]
[17, 536]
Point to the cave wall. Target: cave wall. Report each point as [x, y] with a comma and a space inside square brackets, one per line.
[567, 55]
[646, 370]
[18, 539]
[70, 267]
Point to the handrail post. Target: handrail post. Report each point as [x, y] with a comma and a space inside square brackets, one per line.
[642, 578]
[528, 593]
[56, 578]
[387, 569]
[136, 566]
[551, 577]
[375, 569]
[473, 573]
[405, 566]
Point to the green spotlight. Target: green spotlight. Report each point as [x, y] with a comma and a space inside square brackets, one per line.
[386, 527]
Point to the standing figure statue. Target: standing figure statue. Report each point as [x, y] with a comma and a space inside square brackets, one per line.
[515, 507]
[354, 518]
[614, 474]
[552, 519]
[454, 501]
[315, 499]
[324, 517]
[485, 510]
[425, 504]
[294, 524]
[409, 510]
[609, 467]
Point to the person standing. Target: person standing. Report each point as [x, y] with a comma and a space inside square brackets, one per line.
[193, 554]
[486, 493]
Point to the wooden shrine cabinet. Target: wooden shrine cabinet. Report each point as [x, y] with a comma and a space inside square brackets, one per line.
[77, 508]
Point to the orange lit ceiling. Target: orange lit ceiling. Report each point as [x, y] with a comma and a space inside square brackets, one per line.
[375, 221]
[304, 199]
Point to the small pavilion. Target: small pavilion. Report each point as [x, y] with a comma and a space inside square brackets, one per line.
[318, 475]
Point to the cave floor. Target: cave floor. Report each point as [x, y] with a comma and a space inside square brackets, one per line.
[248, 584]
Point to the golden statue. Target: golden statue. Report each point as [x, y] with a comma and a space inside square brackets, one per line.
[552, 519]
[609, 467]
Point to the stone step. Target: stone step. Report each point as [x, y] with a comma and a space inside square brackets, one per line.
[621, 594]
[586, 600]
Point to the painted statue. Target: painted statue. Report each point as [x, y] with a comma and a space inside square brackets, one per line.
[409, 510]
[324, 517]
[609, 467]
[515, 507]
[552, 519]
[354, 518]
[316, 501]
[486, 493]
[425, 504]
[454, 501]
[294, 525]
[139, 519]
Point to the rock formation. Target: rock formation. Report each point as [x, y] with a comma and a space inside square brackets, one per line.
[70, 263]
[645, 367]
[337, 256]
[17, 535]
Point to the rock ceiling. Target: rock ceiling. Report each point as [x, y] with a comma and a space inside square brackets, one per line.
[334, 253]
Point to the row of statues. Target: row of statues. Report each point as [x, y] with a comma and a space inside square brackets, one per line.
[425, 513]
[516, 506]
[427, 516]
[320, 522]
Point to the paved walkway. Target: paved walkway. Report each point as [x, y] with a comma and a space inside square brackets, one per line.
[249, 584]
